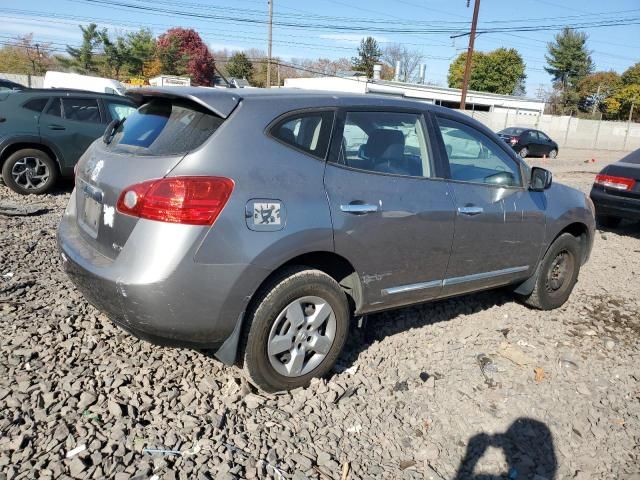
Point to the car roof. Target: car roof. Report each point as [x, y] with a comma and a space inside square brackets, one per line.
[223, 100]
[70, 91]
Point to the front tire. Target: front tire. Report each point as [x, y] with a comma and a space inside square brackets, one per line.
[296, 329]
[29, 171]
[557, 274]
[524, 152]
[553, 153]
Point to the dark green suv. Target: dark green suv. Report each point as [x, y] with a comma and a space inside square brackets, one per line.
[44, 132]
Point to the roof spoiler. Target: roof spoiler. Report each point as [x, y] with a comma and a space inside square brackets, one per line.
[218, 101]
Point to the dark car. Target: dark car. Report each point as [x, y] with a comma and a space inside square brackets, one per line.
[616, 191]
[9, 85]
[44, 132]
[529, 142]
[259, 222]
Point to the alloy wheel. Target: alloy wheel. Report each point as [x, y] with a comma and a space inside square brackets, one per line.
[30, 173]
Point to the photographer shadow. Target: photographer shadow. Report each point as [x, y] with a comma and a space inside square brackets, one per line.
[528, 449]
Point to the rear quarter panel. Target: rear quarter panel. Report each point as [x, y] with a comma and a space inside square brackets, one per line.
[262, 168]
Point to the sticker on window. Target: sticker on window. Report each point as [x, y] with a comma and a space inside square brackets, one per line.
[265, 215]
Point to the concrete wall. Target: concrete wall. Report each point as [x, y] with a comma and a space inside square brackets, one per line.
[568, 132]
[30, 81]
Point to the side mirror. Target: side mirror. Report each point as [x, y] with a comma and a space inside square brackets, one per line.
[541, 179]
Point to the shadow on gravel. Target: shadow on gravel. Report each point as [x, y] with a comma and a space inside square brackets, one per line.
[381, 325]
[527, 446]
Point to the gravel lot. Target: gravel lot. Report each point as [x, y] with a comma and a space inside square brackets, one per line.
[476, 387]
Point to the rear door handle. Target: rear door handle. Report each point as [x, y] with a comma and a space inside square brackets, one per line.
[470, 210]
[56, 127]
[359, 208]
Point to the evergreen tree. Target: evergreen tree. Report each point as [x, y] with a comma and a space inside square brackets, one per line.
[83, 59]
[369, 54]
[239, 66]
[569, 60]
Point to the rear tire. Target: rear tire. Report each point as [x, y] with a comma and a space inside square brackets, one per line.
[553, 153]
[524, 151]
[29, 171]
[285, 343]
[557, 274]
[607, 221]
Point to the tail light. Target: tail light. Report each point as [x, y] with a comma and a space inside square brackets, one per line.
[617, 183]
[513, 140]
[187, 200]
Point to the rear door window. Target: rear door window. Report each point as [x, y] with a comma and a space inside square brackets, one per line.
[308, 131]
[36, 104]
[54, 108]
[165, 127]
[385, 142]
[81, 110]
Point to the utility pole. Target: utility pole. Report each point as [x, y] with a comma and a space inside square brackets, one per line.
[596, 101]
[269, 46]
[467, 65]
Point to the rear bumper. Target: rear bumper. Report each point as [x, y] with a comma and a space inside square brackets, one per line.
[608, 204]
[191, 304]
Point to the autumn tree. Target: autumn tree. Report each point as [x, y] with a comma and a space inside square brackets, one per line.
[24, 56]
[619, 104]
[182, 52]
[369, 54]
[500, 71]
[595, 88]
[631, 76]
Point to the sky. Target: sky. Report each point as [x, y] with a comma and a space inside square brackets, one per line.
[331, 32]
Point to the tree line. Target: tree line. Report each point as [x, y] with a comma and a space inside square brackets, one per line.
[137, 56]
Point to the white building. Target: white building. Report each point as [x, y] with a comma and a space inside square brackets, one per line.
[448, 97]
[170, 81]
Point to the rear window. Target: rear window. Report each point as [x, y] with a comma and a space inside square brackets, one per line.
[633, 157]
[308, 131]
[165, 127]
[512, 131]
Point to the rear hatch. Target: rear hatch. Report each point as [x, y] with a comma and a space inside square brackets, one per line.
[147, 145]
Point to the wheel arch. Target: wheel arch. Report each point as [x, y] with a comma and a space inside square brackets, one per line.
[334, 265]
[23, 144]
[578, 230]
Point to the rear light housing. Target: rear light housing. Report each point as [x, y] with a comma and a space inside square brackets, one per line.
[514, 140]
[185, 200]
[616, 183]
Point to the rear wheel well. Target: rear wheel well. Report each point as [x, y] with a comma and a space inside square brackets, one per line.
[581, 232]
[13, 148]
[334, 265]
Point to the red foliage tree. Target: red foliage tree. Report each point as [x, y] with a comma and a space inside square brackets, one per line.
[181, 51]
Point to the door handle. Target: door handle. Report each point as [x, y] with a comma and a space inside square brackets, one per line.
[470, 210]
[56, 127]
[359, 208]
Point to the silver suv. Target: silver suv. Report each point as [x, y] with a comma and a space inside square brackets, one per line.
[260, 222]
